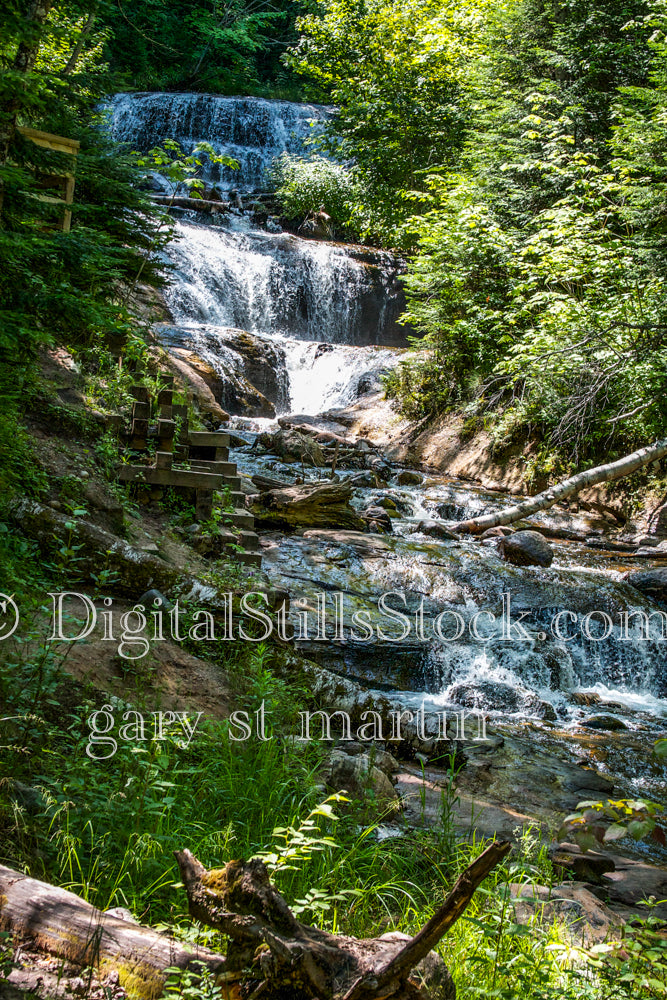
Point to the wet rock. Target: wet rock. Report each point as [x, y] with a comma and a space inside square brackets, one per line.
[377, 465]
[369, 382]
[498, 532]
[608, 723]
[363, 479]
[290, 444]
[318, 505]
[380, 517]
[392, 502]
[526, 548]
[498, 697]
[584, 697]
[435, 529]
[450, 511]
[651, 582]
[409, 478]
[246, 373]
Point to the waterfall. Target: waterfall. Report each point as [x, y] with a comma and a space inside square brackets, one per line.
[325, 376]
[280, 284]
[250, 129]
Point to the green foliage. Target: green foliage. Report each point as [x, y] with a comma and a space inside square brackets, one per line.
[213, 47]
[180, 168]
[635, 965]
[392, 71]
[595, 823]
[539, 279]
[303, 187]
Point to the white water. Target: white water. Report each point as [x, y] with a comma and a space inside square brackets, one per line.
[252, 130]
[243, 277]
[322, 380]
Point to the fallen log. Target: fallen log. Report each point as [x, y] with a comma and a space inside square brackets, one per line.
[193, 204]
[264, 483]
[289, 959]
[319, 505]
[62, 924]
[591, 477]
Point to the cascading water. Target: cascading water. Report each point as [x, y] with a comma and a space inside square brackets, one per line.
[252, 130]
[241, 276]
[236, 275]
[329, 315]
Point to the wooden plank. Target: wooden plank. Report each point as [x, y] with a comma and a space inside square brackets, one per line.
[250, 558]
[141, 410]
[218, 468]
[249, 540]
[239, 518]
[163, 460]
[169, 477]
[58, 143]
[209, 439]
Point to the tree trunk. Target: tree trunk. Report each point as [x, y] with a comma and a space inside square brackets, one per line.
[81, 41]
[62, 924]
[23, 63]
[284, 958]
[601, 474]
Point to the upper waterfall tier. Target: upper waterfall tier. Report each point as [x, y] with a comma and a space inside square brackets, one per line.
[252, 130]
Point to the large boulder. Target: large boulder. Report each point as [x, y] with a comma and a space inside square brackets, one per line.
[526, 548]
[651, 582]
[293, 446]
[358, 776]
[245, 372]
[409, 478]
[311, 505]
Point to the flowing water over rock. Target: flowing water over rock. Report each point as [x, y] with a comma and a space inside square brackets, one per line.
[252, 130]
[328, 316]
[243, 277]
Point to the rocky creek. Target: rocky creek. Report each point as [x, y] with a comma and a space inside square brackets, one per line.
[575, 694]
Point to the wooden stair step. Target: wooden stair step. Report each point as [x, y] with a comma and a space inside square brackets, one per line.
[218, 468]
[208, 439]
[249, 540]
[249, 558]
[170, 477]
[240, 519]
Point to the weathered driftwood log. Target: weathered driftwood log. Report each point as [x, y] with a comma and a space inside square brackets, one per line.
[62, 924]
[600, 474]
[288, 959]
[264, 483]
[319, 505]
[193, 204]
